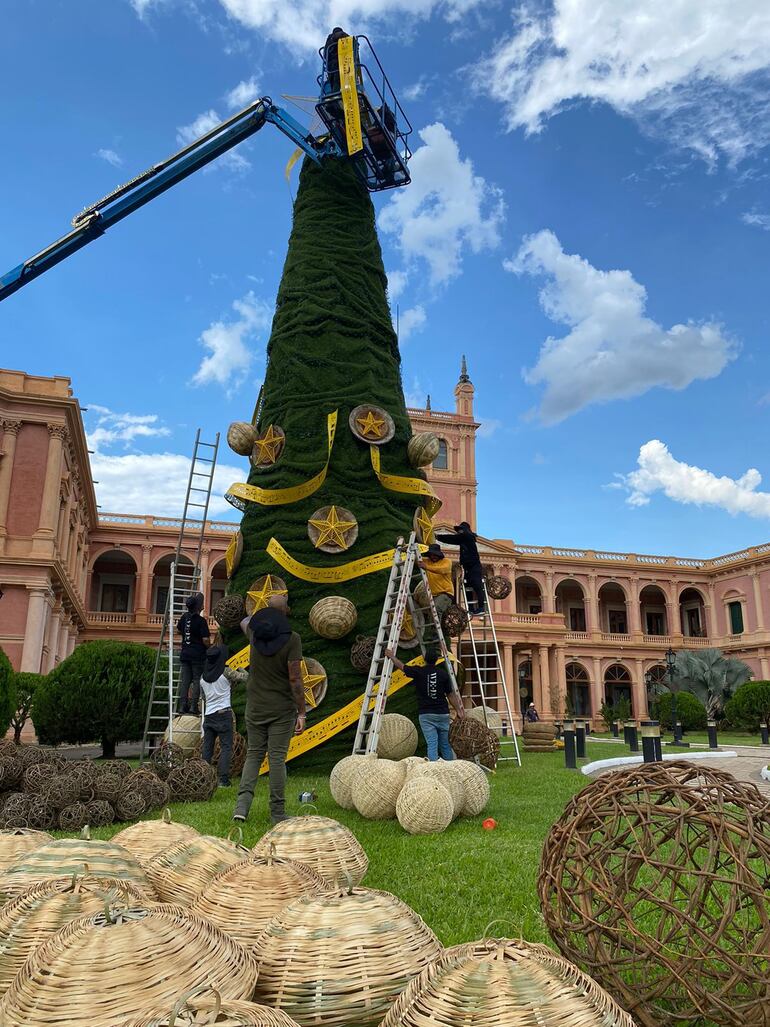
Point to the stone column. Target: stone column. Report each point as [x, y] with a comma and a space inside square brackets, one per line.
[10, 433]
[34, 630]
[758, 601]
[511, 681]
[49, 509]
[544, 705]
[52, 637]
[205, 583]
[597, 690]
[634, 615]
[673, 617]
[591, 604]
[713, 615]
[143, 582]
[764, 666]
[561, 679]
[639, 692]
[548, 596]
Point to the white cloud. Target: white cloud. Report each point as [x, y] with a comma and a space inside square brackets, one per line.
[111, 427]
[187, 134]
[229, 357]
[446, 210]
[612, 351]
[110, 156]
[760, 220]
[243, 94]
[695, 70]
[659, 471]
[416, 90]
[487, 427]
[416, 396]
[397, 282]
[411, 321]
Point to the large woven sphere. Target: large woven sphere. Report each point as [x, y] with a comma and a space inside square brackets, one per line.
[194, 781]
[242, 900]
[149, 838]
[181, 872]
[476, 785]
[104, 969]
[497, 982]
[443, 772]
[424, 805]
[339, 959]
[498, 586]
[654, 880]
[153, 789]
[454, 621]
[17, 840]
[375, 788]
[241, 437]
[323, 844]
[471, 740]
[362, 651]
[489, 717]
[422, 449]
[186, 732]
[332, 617]
[397, 737]
[341, 780]
[166, 758]
[413, 763]
[199, 1007]
[38, 913]
[229, 611]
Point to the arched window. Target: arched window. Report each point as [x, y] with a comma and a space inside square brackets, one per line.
[617, 685]
[578, 690]
[441, 463]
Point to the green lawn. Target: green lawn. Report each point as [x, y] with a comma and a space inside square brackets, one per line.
[700, 739]
[459, 881]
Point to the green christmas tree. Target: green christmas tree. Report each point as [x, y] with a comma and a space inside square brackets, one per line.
[332, 348]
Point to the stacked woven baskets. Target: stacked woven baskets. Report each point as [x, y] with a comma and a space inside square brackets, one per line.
[539, 736]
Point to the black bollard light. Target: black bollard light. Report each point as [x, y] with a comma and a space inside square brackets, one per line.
[627, 725]
[558, 729]
[615, 731]
[764, 733]
[633, 737]
[580, 739]
[651, 752]
[711, 728]
[568, 734]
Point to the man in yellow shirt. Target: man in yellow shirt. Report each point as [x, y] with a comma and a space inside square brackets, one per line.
[439, 571]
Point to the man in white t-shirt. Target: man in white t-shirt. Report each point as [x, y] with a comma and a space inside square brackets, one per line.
[217, 711]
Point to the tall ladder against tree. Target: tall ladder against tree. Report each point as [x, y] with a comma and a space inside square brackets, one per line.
[182, 584]
[398, 599]
[489, 670]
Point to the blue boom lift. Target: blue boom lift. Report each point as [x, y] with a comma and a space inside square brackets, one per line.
[363, 118]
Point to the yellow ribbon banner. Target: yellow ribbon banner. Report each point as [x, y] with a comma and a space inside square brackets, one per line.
[396, 483]
[330, 575]
[240, 493]
[347, 64]
[292, 161]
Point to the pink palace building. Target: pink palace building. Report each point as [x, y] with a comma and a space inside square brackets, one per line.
[579, 622]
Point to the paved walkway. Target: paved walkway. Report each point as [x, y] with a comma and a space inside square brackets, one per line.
[746, 766]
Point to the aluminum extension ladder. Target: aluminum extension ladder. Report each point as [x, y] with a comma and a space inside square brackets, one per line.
[398, 599]
[489, 670]
[183, 583]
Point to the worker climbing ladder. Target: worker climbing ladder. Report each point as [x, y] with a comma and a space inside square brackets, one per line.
[183, 582]
[398, 601]
[489, 671]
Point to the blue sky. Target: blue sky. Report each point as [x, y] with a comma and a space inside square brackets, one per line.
[588, 222]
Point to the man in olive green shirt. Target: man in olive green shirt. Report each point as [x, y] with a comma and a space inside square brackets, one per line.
[275, 703]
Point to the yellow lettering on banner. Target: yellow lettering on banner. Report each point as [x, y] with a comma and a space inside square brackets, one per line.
[330, 575]
[240, 660]
[347, 63]
[397, 483]
[279, 497]
[292, 161]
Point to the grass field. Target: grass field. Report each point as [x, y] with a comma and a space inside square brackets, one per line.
[700, 739]
[459, 881]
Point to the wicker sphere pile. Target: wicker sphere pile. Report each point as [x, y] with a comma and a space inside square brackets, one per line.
[180, 872]
[397, 737]
[471, 740]
[444, 773]
[194, 781]
[424, 805]
[333, 617]
[326, 959]
[199, 1007]
[375, 788]
[323, 844]
[167, 757]
[475, 784]
[148, 838]
[341, 780]
[15, 841]
[185, 729]
[104, 969]
[497, 981]
[654, 881]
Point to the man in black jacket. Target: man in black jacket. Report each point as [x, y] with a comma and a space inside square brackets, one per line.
[194, 633]
[470, 563]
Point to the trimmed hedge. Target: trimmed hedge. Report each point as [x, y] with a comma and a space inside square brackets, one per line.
[7, 693]
[749, 705]
[690, 711]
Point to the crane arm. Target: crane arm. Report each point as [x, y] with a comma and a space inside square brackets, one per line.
[96, 219]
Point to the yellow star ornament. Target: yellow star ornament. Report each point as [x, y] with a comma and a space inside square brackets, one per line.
[423, 526]
[332, 529]
[309, 683]
[268, 445]
[371, 426]
[260, 596]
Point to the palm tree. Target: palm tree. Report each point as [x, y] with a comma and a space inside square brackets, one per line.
[710, 676]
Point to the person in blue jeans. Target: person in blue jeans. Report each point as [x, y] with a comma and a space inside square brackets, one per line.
[434, 687]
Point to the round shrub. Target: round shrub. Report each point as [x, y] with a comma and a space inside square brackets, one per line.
[750, 705]
[690, 711]
[7, 693]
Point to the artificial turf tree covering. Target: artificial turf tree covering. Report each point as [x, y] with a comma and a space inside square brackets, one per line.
[332, 347]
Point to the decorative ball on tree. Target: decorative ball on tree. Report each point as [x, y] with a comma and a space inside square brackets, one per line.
[241, 437]
[423, 448]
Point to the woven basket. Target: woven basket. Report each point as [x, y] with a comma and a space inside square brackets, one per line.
[321, 843]
[397, 737]
[120, 767]
[68, 856]
[454, 621]
[424, 805]
[18, 840]
[243, 900]
[375, 788]
[340, 958]
[148, 838]
[100, 813]
[240, 437]
[423, 448]
[489, 717]
[333, 616]
[153, 789]
[341, 780]
[33, 917]
[361, 652]
[412, 763]
[104, 969]
[540, 731]
[194, 781]
[186, 732]
[199, 1007]
[443, 771]
[475, 784]
[183, 870]
[498, 586]
[470, 740]
[229, 611]
[503, 982]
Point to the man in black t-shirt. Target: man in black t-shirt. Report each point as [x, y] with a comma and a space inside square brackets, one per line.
[471, 565]
[194, 633]
[433, 686]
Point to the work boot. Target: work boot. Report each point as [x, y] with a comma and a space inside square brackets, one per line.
[278, 818]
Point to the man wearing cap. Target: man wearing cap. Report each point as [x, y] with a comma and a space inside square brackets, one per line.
[217, 711]
[275, 703]
[438, 569]
[471, 565]
[194, 632]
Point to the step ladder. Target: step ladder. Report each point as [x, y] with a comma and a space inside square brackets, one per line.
[398, 600]
[488, 665]
[183, 582]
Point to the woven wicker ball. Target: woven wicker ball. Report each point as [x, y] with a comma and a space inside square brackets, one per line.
[108, 787]
[397, 738]
[654, 880]
[74, 817]
[37, 777]
[498, 586]
[471, 740]
[424, 805]
[198, 1007]
[341, 780]
[241, 437]
[149, 838]
[323, 844]
[62, 790]
[130, 805]
[375, 788]
[166, 758]
[443, 772]
[15, 811]
[33, 917]
[229, 611]
[332, 617]
[242, 900]
[105, 968]
[454, 621]
[339, 959]
[422, 449]
[186, 732]
[497, 981]
[475, 784]
[486, 715]
[18, 840]
[361, 652]
[29, 754]
[155, 792]
[100, 813]
[195, 781]
[180, 872]
[7, 747]
[11, 771]
[41, 813]
[120, 767]
[85, 773]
